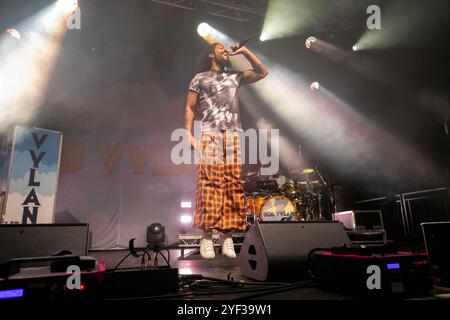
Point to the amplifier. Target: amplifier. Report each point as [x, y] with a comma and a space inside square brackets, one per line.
[43, 284]
[374, 275]
[42, 240]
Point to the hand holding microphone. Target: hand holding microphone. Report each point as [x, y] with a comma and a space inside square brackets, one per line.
[239, 47]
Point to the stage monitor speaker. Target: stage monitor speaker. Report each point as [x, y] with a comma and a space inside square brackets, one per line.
[279, 250]
[39, 240]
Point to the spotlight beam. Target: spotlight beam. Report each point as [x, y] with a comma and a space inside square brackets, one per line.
[401, 27]
[67, 7]
[287, 18]
[26, 65]
[371, 69]
[330, 124]
[211, 34]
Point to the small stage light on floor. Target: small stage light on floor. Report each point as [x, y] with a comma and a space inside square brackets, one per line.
[156, 235]
[355, 48]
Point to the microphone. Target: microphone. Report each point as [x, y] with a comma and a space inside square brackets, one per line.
[240, 44]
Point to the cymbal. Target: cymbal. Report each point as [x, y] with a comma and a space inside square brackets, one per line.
[309, 182]
[301, 171]
[250, 174]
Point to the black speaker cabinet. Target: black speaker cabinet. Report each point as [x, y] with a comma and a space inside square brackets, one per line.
[39, 240]
[279, 250]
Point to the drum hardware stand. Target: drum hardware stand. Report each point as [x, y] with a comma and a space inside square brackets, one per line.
[330, 191]
[319, 195]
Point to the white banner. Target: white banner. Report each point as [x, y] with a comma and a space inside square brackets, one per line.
[33, 176]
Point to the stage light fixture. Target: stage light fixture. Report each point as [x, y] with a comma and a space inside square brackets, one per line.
[186, 204]
[13, 33]
[156, 234]
[204, 29]
[67, 6]
[355, 48]
[310, 41]
[314, 86]
[186, 219]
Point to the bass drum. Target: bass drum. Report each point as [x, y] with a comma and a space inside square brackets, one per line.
[278, 208]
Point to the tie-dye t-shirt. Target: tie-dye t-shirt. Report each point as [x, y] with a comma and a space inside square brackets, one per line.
[218, 101]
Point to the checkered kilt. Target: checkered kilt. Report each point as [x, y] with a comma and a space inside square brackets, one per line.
[220, 202]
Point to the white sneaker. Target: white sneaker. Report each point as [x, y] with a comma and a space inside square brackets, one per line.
[228, 248]
[207, 249]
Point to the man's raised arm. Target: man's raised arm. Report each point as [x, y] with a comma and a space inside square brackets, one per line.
[259, 69]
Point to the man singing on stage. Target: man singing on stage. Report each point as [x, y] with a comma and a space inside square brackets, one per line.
[220, 203]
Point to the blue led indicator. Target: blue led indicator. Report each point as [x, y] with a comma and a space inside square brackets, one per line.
[10, 294]
[393, 266]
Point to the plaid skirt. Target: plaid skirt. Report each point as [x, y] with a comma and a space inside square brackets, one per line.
[220, 199]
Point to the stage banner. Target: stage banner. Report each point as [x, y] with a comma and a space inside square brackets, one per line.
[33, 176]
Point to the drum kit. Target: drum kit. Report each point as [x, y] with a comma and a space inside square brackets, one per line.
[297, 197]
